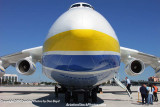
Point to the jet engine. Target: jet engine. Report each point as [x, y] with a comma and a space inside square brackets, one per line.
[2, 71]
[25, 66]
[134, 67]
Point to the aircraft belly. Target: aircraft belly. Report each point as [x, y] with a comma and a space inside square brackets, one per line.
[80, 80]
[80, 70]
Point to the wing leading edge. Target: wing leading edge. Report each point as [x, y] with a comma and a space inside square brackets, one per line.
[126, 55]
[12, 59]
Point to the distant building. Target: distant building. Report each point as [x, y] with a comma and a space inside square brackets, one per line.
[9, 78]
[30, 83]
[35, 83]
[154, 79]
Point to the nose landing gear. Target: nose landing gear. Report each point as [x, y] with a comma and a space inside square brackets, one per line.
[73, 94]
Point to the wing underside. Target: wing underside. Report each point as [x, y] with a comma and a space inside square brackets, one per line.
[149, 60]
[12, 59]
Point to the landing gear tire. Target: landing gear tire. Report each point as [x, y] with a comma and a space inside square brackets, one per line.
[94, 96]
[67, 97]
[86, 97]
[75, 97]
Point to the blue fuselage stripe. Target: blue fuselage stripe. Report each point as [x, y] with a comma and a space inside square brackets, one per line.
[1, 70]
[81, 63]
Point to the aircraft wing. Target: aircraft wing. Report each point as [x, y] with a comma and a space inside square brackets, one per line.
[12, 59]
[128, 55]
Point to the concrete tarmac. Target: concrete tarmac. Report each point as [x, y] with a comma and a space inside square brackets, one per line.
[112, 96]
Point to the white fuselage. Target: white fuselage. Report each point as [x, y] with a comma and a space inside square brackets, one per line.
[81, 49]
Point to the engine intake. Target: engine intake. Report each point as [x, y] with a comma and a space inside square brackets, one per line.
[135, 67]
[25, 67]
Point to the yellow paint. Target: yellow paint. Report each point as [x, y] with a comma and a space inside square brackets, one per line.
[81, 40]
[2, 70]
[139, 99]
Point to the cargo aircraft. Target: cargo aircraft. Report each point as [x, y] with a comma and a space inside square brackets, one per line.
[81, 51]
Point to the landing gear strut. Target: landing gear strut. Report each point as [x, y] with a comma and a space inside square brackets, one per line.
[94, 95]
[56, 91]
[73, 94]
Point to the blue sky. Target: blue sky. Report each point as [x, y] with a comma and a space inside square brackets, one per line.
[25, 24]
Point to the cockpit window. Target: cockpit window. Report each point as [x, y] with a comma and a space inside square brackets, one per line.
[75, 5]
[86, 5]
[81, 5]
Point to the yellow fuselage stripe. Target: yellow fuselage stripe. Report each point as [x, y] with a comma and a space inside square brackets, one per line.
[81, 40]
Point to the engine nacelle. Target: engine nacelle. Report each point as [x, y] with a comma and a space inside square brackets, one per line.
[25, 67]
[2, 71]
[134, 67]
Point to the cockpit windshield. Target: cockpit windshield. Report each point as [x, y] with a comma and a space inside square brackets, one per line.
[81, 5]
[86, 5]
[75, 5]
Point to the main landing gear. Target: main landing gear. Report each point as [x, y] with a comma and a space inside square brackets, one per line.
[71, 95]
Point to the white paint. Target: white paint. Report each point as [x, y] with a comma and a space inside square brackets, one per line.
[81, 18]
[81, 53]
